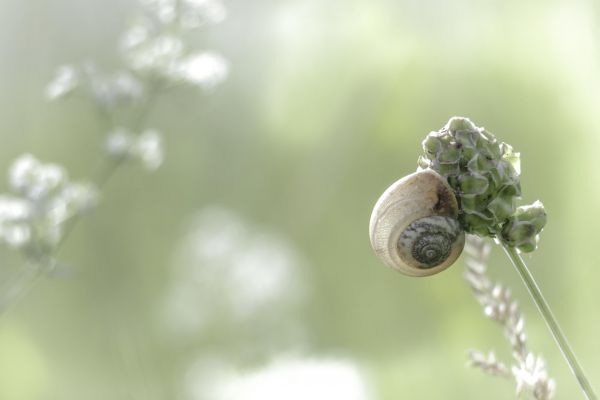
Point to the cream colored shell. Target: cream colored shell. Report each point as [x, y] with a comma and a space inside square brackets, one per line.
[415, 197]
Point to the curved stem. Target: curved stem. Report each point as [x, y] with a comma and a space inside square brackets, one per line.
[551, 322]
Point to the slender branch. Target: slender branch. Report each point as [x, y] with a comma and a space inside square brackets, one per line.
[154, 88]
[104, 174]
[18, 286]
[553, 325]
[22, 282]
[101, 178]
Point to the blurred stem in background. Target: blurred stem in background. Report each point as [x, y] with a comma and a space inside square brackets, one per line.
[21, 283]
[44, 207]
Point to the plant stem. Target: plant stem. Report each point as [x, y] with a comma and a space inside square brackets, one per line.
[551, 322]
[19, 285]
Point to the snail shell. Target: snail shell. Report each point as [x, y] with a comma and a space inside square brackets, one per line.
[414, 227]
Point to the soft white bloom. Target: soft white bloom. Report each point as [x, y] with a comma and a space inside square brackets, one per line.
[148, 149]
[151, 49]
[135, 36]
[119, 143]
[22, 171]
[14, 216]
[15, 235]
[532, 375]
[231, 272]
[109, 91]
[283, 378]
[14, 209]
[127, 86]
[206, 69]
[197, 13]
[46, 200]
[163, 10]
[190, 14]
[76, 198]
[488, 363]
[34, 180]
[158, 55]
[65, 81]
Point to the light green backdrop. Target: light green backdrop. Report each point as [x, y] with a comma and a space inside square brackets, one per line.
[326, 104]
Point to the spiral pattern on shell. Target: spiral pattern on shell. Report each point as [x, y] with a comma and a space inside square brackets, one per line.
[429, 241]
[414, 226]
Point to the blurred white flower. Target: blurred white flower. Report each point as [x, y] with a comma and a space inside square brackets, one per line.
[14, 215]
[164, 10]
[158, 55]
[45, 199]
[197, 13]
[119, 143]
[190, 14]
[15, 235]
[64, 82]
[149, 149]
[166, 56]
[283, 378]
[33, 180]
[231, 272]
[145, 148]
[135, 35]
[14, 208]
[532, 375]
[206, 70]
[111, 91]
[75, 198]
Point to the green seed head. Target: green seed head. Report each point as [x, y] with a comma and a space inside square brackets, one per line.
[522, 228]
[484, 174]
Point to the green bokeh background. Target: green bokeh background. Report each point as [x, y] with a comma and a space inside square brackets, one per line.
[326, 104]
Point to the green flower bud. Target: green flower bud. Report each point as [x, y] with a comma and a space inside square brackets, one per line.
[484, 174]
[523, 228]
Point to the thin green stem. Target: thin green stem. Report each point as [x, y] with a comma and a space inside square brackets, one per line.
[553, 325]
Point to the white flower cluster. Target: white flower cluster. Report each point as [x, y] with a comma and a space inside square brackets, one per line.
[157, 54]
[66, 79]
[32, 217]
[290, 378]
[145, 148]
[531, 375]
[109, 92]
[488, 363]
[151, 47]
[187, 14]
[230, 273]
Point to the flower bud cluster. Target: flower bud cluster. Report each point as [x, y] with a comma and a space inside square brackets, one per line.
[485, 176]
[155, 45]
[42, 200]
[145, 149]
[522, 228]
[108, 91]
[186, 14]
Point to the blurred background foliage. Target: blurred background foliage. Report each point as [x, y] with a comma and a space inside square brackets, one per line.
[325, 105]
